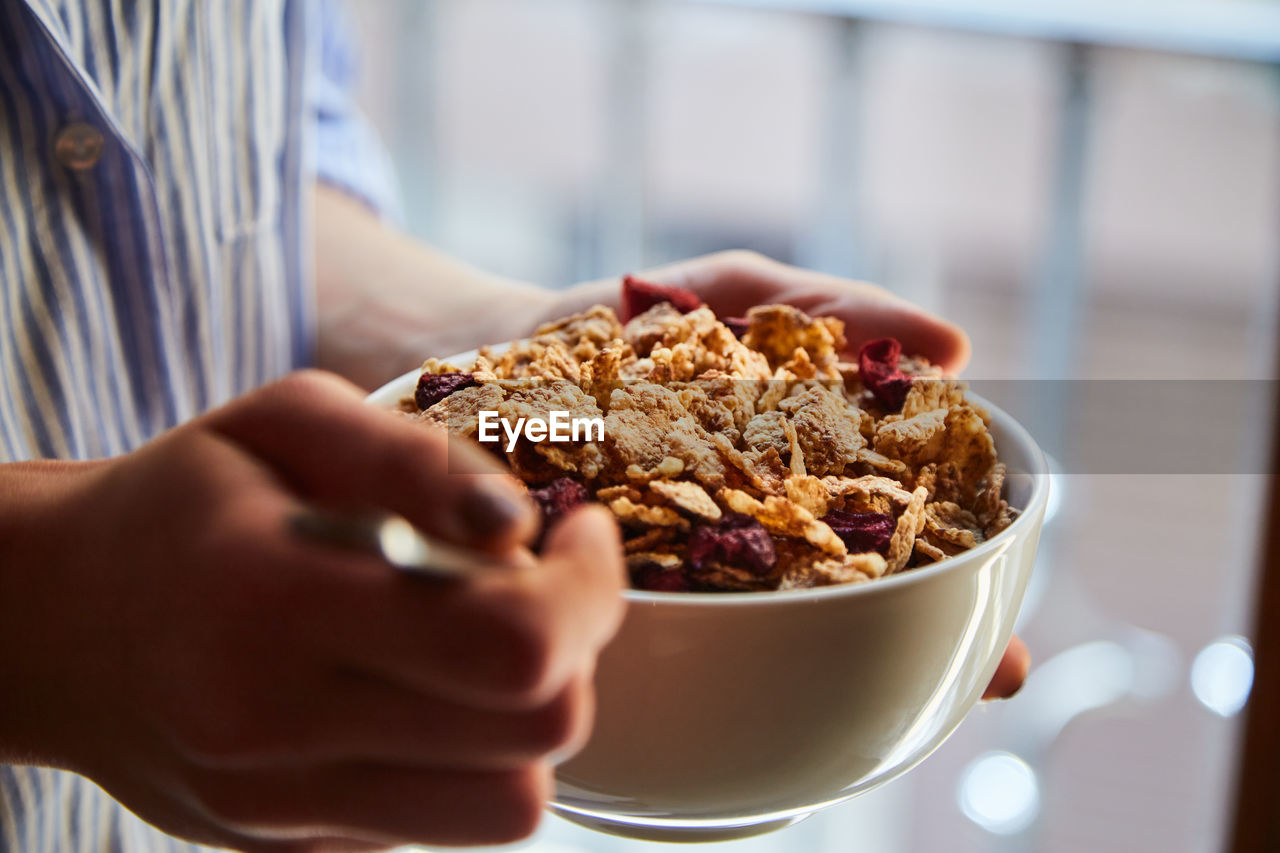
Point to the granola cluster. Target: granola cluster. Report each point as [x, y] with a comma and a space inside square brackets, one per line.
[743, 454]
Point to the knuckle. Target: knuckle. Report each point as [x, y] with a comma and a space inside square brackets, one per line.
[310, 378]
[558, 726]
[519, 804]
[303, 386]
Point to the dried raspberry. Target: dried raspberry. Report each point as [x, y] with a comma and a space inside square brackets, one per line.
[878, 367]
[558, 499]
[434, 387]
[862, 531]
[737, 540]
[737, 325]
[653, 577]
[638, 296]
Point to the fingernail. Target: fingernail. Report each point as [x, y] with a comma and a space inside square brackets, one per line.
[489, 510]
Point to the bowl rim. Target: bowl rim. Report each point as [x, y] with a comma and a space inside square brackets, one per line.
[1027, 518]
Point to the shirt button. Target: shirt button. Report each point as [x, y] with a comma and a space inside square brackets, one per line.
[78, 146]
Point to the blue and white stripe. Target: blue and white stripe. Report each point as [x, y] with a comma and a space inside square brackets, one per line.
[175, 273]
[49, 810]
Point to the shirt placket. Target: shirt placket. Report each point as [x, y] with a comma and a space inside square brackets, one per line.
[107, 169]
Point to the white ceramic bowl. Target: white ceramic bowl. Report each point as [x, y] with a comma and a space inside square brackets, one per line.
[722, 715]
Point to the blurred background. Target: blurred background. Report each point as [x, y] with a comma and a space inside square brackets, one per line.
[1091, 188]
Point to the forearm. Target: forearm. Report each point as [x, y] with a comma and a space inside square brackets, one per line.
[386, 301]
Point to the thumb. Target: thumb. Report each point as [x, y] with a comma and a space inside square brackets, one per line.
[588, 544]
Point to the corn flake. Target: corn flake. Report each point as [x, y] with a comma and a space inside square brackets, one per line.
[690, 497]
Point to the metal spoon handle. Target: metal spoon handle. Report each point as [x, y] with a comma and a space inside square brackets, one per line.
[390, 537]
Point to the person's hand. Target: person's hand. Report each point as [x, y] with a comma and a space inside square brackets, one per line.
[162, 633]
[1011, 673]
[732, 282]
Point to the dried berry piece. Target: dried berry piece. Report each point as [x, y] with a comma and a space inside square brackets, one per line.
[878, 368]
[737, 325]
[862, 531]
[434, 387]
[655, 578]
[558, 499]
[638, 296]
[738, 540]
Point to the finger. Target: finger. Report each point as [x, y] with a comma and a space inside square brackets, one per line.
[1011, 672]
[585, 551]
[729, 282]
[356, 718]
[506, 640]
[868, 316]
[316, 432]
[733, 282]
[383, 804]
[321, 844]
[301, 844]
[192, 823]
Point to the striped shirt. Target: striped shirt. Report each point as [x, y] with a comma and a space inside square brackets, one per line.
[167, 271]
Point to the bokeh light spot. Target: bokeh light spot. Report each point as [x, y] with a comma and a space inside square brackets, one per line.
[999, 792]
[1222, 675]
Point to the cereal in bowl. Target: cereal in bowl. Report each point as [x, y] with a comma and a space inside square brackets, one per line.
[738, 455]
